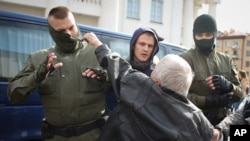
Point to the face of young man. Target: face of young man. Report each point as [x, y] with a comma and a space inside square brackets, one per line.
[144, 47]
[66, 25]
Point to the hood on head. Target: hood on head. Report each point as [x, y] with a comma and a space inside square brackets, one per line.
[135, 36]
[158, 36]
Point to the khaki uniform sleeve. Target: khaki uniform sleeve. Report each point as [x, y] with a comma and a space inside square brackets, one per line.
[237, 88]
[23, 84]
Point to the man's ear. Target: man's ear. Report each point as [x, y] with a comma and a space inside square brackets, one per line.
[158, 82]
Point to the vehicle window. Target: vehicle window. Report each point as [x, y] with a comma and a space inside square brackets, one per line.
[161, 53]
[117, 45]
[176, 50]
[18, 40]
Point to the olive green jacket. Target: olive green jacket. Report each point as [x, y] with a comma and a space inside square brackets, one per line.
[68, 98]
[215, 63]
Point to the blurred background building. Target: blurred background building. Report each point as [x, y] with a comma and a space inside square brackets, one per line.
[237, 45]
[172, 19]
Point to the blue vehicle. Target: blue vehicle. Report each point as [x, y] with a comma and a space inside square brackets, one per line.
[22, 34]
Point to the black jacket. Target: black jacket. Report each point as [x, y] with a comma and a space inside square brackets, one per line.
[147, 112]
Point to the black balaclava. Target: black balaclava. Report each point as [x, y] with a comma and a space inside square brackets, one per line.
[205, 24]
[147, 66]
[64, 42]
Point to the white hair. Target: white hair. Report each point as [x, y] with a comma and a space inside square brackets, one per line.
[174, 73]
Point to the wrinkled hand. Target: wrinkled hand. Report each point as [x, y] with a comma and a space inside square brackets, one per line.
[217, 135]
[96, 74]
[218, 101]
[92, 39]
[221, 84]
[47, 67]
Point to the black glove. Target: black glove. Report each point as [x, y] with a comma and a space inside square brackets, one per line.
[218, 101]
[246, 111]
[221, 84]
[102, 74]
[42, 71]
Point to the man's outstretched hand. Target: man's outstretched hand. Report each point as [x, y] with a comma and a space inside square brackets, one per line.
[47, 67]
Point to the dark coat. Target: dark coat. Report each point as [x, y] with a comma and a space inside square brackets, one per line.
[146, 111]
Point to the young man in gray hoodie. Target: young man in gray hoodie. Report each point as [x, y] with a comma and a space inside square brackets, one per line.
[143, 47]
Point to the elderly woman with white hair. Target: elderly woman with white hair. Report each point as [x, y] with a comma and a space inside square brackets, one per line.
[151, 109]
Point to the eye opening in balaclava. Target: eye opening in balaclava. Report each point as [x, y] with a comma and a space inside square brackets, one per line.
[205, 24]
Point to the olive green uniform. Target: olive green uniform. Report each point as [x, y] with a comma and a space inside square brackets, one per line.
[204, 66]
[68, 98]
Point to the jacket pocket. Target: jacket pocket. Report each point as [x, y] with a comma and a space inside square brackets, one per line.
[49, 85]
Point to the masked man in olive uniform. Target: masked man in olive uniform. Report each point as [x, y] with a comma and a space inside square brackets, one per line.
[215, 86]
[73, 104]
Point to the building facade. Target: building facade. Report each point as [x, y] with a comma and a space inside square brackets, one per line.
[172, 19]
[236, 45]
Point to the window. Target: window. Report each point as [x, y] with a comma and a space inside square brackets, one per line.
[248, 43]
[236, 44]
[133, 8]
[227, 43]
[235, 52]
[247, 63]
[156, 11]
[18, 40]
[118, 45]
[161, 53]
[218, 44]
[248, 53]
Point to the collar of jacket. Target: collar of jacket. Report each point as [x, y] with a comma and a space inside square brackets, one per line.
[175, 95]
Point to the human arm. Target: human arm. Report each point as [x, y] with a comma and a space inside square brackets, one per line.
[223, 87]
[218, 136]
[233, 78]
[226, 82]
[218, 100]
[115, 65]
[96, 74]
[235, 118]
[32, 74]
